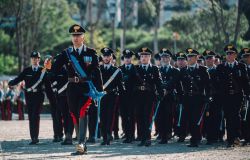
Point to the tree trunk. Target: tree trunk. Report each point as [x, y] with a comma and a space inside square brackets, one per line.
[237, 26]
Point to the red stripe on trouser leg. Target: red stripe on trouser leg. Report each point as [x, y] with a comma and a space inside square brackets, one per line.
[202, 120]
[85, 107]
[152, 113]
[73, 118]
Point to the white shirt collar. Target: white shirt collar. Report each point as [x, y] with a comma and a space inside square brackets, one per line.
[128, 65]
[80, 48]
[194, 65]
[34, 67]
[107, 65]
[233, 63]
[147, 65]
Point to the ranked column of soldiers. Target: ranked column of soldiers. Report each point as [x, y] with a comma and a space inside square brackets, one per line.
[201, 95]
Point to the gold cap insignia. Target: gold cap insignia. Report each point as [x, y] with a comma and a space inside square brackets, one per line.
[127, 51]
[190, 50]
[144, 49]
[181, 54]
[106, 49]
[76, 28]
[207, 51]
[230, 47]
[164, 49]
[246, 50]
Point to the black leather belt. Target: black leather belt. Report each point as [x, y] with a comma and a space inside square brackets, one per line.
[77, 80]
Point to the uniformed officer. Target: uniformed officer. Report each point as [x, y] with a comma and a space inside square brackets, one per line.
[82, 68]
[127, 109]
[245, 128]
[195, 83]
[60, 84]
[148, 81]
[112, 80]
[157, 60]
[181, 60]
[171, 84]
[214, 117]
[181, 128]
[34, 78]
[233, 83]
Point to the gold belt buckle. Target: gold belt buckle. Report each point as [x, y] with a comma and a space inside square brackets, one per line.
[77, 80]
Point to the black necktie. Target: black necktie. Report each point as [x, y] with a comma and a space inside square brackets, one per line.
[127, 68]
[144, 68]
[34, 69]
[77, 50]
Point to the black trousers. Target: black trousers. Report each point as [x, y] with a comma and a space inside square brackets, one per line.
[245, 125]
[214, 122]
[34, 104]
[231, 107]
[63, 112]
[115, 125]
[92, 113]
[127, 110]
[166, 116]
[144, 111]
[107, 115]
[56, 116]
[193, 108]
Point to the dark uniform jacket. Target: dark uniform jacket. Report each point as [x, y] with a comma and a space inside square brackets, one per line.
[92, 70]
[233, 80]
[195, 82]
[149, 80]
[171, 80]
[116, 85]
[129, 78]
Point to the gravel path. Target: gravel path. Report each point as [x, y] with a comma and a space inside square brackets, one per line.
[14, 139]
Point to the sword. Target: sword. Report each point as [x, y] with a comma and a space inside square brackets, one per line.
[180, 115]
[222, 119]
[204, 110]
[155, 114]
[247, 106]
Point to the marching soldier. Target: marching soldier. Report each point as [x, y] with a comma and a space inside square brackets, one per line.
[34, 78]
[157, 60]
[214, 117]
[245, 54]
[127, 109]
[171, 85]
[84, 81]
[55, 113]
[195, 82]
[112, 80]
[181, 129]
[181, 60]
[233, 83]
[148, 81]
[60, 84]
